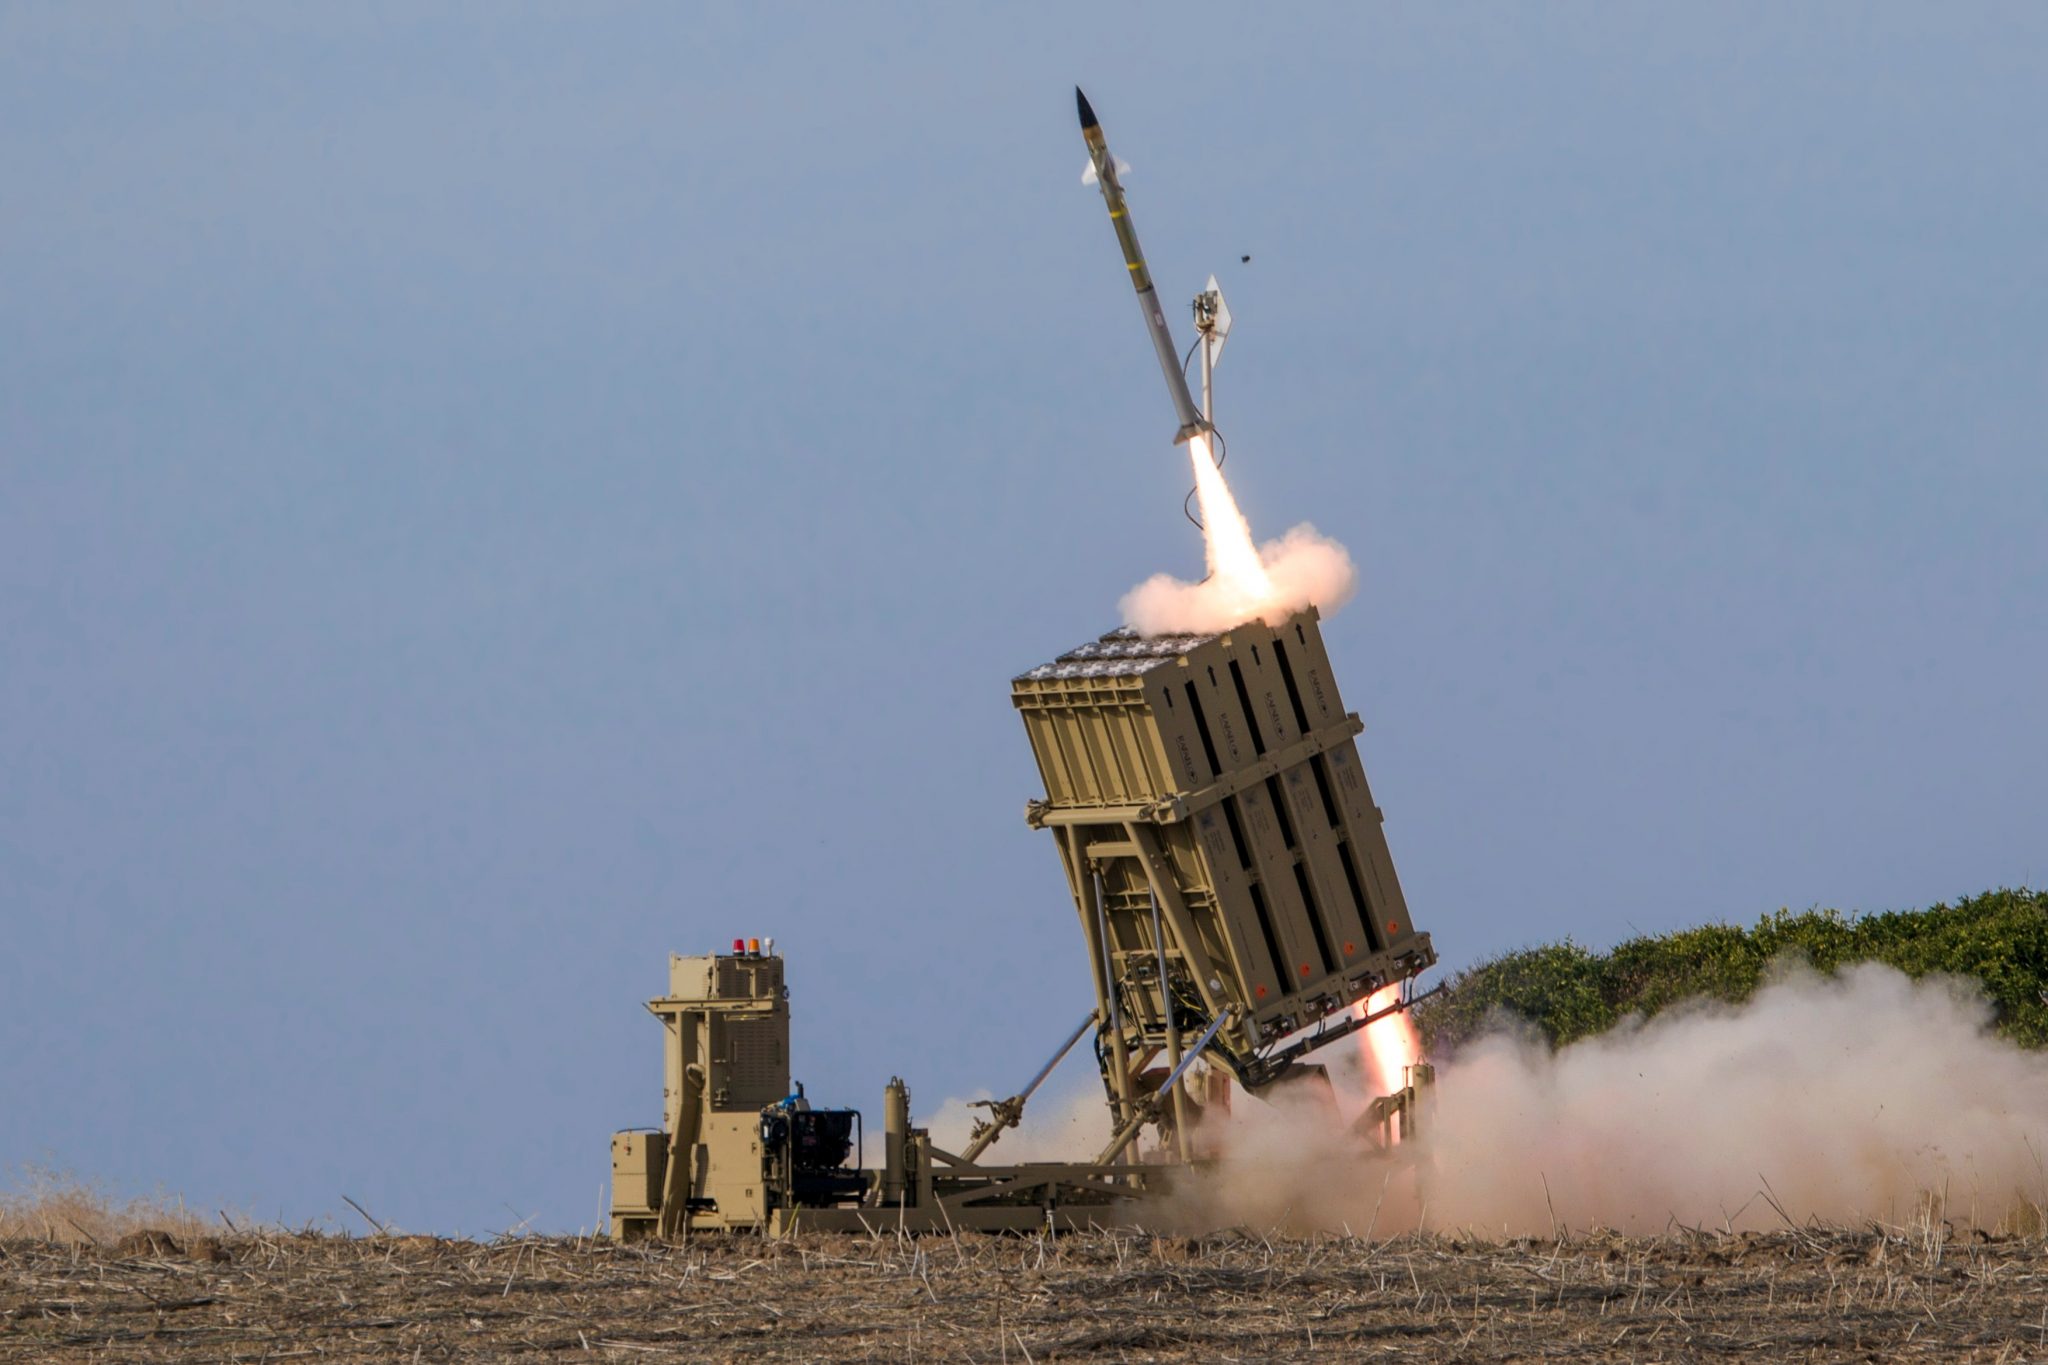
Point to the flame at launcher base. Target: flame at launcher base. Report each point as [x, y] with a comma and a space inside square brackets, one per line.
[1389, 1047]
[1246, 581]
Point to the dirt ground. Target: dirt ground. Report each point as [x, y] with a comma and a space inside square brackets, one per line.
[1800, 1295]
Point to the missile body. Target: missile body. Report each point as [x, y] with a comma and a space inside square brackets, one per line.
[1191, 422]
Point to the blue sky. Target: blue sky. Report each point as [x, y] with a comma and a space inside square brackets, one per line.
[492, 495]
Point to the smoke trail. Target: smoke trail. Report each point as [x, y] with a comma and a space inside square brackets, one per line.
[1858, 1096]
[1270, 582]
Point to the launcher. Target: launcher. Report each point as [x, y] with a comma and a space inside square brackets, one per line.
[1226, 859]
[1237, 906]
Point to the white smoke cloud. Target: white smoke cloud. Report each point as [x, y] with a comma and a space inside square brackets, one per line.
[1862, 1096]
[1305, 567]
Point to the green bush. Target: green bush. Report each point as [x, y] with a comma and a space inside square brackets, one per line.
[1567, 992]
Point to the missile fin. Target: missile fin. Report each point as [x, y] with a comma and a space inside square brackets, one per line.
[1091, 179]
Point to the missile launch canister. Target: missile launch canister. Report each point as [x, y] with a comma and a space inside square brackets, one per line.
[1224, 850]
[1191, 421]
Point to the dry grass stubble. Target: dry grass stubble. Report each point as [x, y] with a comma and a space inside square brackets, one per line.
[53, 1206]
[1807, 1293]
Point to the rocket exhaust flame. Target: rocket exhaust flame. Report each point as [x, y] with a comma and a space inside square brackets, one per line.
[1389, 1047]
[1246, 581]
[1232, 558]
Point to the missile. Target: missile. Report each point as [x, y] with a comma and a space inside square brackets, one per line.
[1191, 423]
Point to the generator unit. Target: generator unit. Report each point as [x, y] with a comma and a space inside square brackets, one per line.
[725, 1060]
[742, 1149]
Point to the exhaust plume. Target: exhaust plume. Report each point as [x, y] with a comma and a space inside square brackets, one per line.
[1246, 581]
[1387, 1048]
[1862, 1096]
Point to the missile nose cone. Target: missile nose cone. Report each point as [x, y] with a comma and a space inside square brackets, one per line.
[1087, 114]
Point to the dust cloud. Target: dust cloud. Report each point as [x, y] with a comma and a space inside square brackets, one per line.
[1304, 568]
[1858, 1097]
